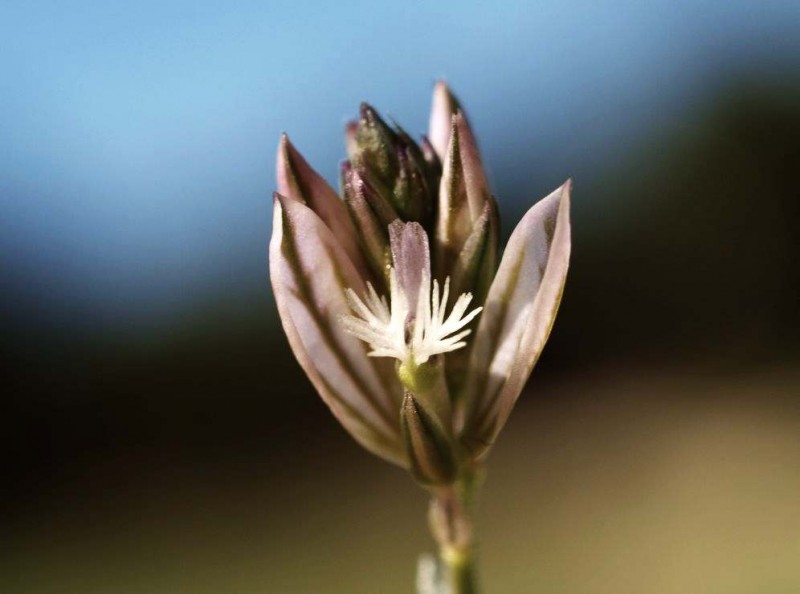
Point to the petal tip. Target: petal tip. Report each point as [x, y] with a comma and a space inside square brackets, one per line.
[366, 111]
[565, 194]
[284, 148]
[441, 89]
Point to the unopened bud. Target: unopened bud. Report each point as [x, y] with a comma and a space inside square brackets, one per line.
[411, 190]
[394, 165]
[375, 145]
[372, 216]
[475, 265]
[463, 195]
[429, 449]
[473, 271]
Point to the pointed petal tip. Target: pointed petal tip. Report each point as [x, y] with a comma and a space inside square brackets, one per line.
[565, 192]
[366, 111]
[444, 106]
[442, 91]
[283, 164]
[285, 146]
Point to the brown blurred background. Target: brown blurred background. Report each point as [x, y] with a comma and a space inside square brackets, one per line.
[160, 437]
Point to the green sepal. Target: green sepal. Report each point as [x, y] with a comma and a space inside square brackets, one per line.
[375, 146]
[428, 447]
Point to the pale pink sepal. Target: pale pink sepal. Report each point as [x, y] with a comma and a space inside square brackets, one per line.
[519, 312]
[298, 180]
[309, 272]
[463, 193]
[443, 107]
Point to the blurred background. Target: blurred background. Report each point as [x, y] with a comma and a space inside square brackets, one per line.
[159, 436]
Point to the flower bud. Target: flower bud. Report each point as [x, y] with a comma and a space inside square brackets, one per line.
[418, 180]
[372, 215]
[410, 189]
[428, 447]
[463, 195]
[475, 265]
[473, 272]
[375, 146]
[395, 166]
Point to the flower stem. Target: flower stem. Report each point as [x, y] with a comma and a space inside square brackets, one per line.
[451, 524]
[460, 571]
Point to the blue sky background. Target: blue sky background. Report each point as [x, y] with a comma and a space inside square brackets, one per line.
[137, 139]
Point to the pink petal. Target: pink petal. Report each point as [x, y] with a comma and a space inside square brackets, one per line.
[298, 181]
[517, 317]
[444, 106]
[309, 272]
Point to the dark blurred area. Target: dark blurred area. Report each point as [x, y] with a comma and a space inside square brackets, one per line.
[701, 266]
[662, 424]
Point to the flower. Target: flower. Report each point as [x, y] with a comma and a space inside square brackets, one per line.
[412, 336]
[392, 298]
[384, 327]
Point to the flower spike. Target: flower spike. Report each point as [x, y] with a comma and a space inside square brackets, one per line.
[396, 309]
[404, 268]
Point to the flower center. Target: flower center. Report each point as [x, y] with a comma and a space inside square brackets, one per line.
[385, 326]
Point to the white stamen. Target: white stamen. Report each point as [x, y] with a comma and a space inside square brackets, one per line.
[383, 325]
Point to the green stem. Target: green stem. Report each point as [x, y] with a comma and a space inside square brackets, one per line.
[452, 526]
[460, 566]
